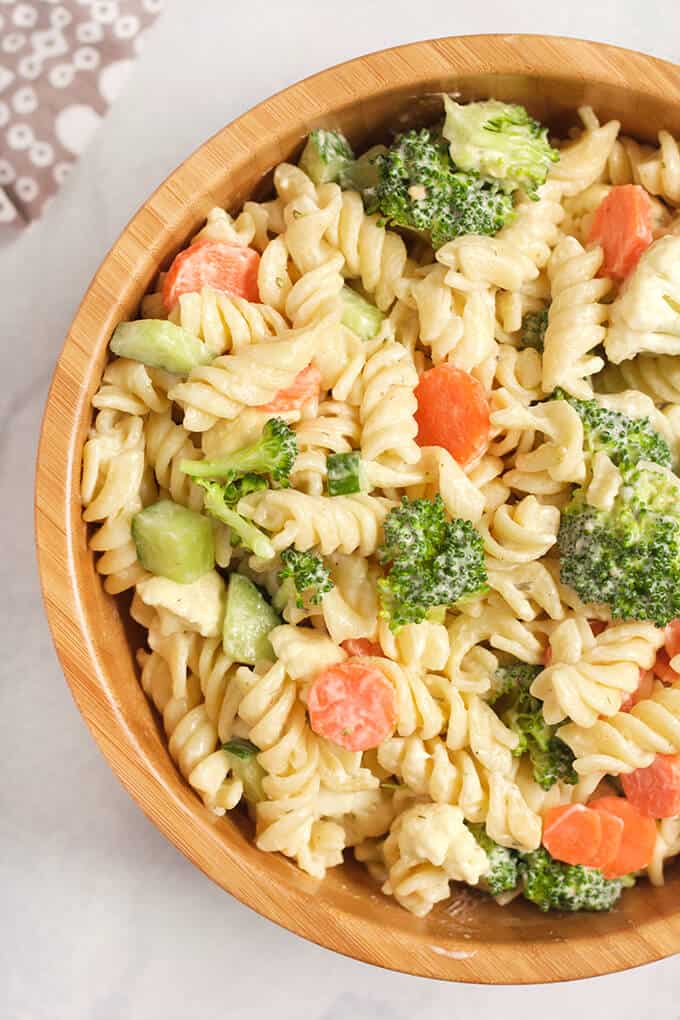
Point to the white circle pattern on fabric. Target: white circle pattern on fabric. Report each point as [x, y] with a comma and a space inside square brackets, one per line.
[86, 58]
[60, 17]
[61, 171]
[41, 154]
[7, 172]
[26, 188]
[25, 100]
[13, 42]
[127, 26]
[24, 16]
[89, 32]
[56, 85]
[61, 76]
[112, 77]
[19, 136]
[105, 11]
[74, 126]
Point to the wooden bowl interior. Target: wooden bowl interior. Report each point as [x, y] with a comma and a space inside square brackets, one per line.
[469, 938]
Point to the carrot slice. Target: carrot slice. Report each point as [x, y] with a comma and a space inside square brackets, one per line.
[361, 647]
[623, 226]
[610, 844]
[305, 387]
[353, 705]
[643, 690]
[572, 833]
[655, 791]
[662, 668]
[638, 839]
[453, 412]
[231, 268]
[672, 638]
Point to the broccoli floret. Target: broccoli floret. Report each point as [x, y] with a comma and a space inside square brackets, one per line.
[307, 574]
[500, 141]
[627, 557]
[272, 455]
[220, 501]
[326, 155]
[625, 440]
[433, 561]
[552, 885]
[534, 325]
[551, 759]
[502, 875]
[508, 679]
[419, 188]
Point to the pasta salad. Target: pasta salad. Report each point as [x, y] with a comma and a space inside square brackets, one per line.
[388, 465]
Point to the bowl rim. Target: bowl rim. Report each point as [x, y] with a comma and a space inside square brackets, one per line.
[529, 55]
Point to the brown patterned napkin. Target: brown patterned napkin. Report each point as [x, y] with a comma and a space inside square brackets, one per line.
[61, 65]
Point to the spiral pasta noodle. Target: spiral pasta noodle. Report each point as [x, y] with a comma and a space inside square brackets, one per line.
[590, 677]
[629, 740]
[343, 524]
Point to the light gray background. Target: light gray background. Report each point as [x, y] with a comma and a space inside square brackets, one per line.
[100, 917]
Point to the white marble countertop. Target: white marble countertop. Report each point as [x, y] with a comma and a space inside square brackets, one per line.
[102, 919]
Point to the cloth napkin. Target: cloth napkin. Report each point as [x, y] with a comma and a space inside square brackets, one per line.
[61, 65]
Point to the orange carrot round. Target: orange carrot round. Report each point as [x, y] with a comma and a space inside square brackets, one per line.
[638, 838]
[305, 387]
[353, 705]
[231, 268]
[662, 668]
[572, 833]
[453, 412]
[623, 226]
[655, 791]
[610, 843]
[672, 638]
[643, 690]
[361, 647]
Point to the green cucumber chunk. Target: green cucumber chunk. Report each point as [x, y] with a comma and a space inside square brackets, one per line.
[246, 768]
[247, 622]
[345, 474]
[174, 542]
[360, 315]
[325, 156]
[159, 344]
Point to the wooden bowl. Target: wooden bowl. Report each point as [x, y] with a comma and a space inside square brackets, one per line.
[470, 938]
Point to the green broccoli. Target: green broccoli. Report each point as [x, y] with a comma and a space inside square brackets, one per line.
[534, 325]
[433, 561]
[326, 155]
[552, 885]
[304, 575]
[503, 875]
[627, 557]
[499, 141]
[220, 501]
[272, 455]
[625, 440]
[550, 758]
[419, 188]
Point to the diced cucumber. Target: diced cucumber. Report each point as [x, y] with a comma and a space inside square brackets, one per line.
[247, 769]
[345, 474]
[360, 315]
[247, 622]
[325, 156]
[173, 541]
[159, 344]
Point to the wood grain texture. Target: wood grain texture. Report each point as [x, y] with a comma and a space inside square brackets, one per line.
[469, 939]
